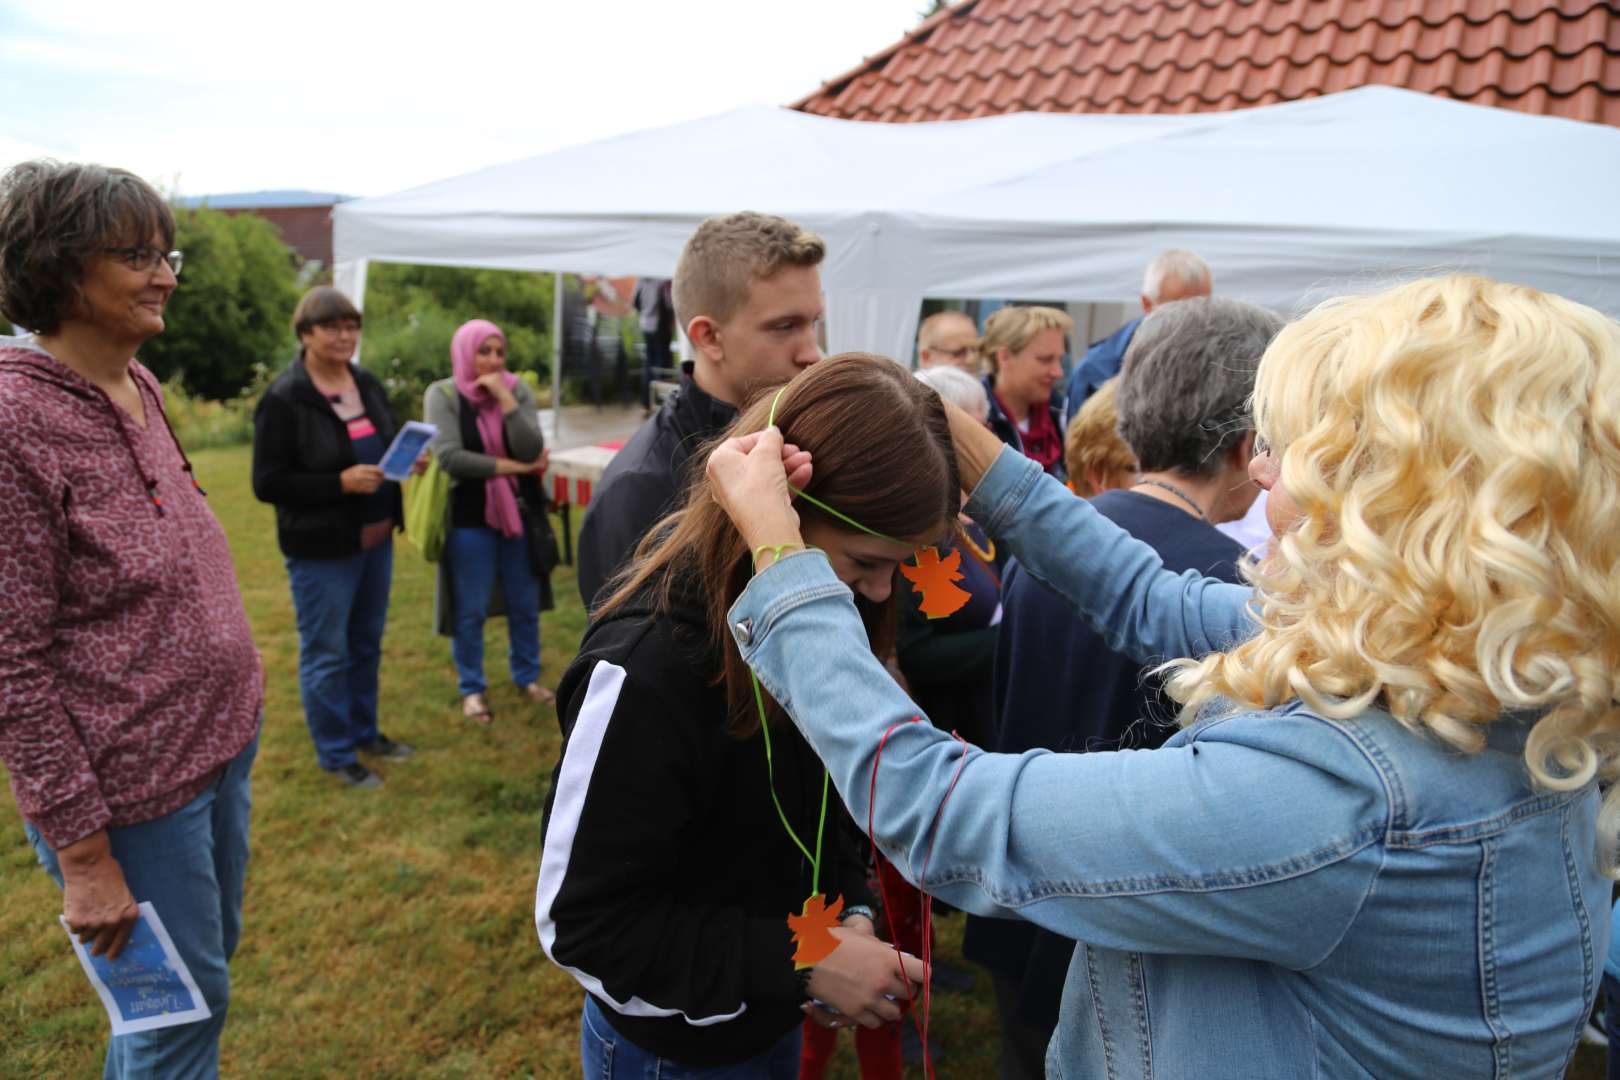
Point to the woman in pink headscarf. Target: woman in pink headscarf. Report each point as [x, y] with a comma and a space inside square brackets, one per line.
[488, 441]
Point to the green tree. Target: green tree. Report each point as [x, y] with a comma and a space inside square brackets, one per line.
[233, 307]
[413, 311]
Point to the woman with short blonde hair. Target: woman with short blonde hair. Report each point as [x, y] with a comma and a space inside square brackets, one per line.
[1024, 348]
[1374, 849]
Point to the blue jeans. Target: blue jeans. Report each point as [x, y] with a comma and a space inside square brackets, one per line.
[607, 1055]
[190, 864]
[1611, 1023]
[342, 605]
[475, 554]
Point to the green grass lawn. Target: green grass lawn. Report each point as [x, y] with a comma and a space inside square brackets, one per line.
[386, 933]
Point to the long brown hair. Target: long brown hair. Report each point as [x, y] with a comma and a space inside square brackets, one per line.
[882, 454]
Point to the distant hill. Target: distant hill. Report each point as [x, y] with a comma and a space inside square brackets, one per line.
[263, 200]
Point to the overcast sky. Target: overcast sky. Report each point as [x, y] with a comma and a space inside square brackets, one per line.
[366, 99]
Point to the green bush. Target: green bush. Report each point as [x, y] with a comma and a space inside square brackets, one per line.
[413, 311]
[233, 307]
[202, 424]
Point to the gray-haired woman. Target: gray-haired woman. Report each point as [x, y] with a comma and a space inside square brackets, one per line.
[129, 685]
[1182, 401]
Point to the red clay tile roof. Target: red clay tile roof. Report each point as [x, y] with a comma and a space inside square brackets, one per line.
[986, 57]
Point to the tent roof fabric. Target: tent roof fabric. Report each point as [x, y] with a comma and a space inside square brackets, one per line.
[988, 57]
[1288, 203]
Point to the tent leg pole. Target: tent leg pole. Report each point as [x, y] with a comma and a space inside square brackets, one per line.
[556, 356]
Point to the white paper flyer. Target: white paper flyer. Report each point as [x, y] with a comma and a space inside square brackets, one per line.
[148, 986]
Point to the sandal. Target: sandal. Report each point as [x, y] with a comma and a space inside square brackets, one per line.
[474, 708]
[539, 694]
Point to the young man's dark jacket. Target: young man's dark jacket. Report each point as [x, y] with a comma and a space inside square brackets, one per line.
[299, 448]
[643, 481]
[666, 877]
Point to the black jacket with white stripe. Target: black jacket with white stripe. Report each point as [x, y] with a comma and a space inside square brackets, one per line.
[666, 876]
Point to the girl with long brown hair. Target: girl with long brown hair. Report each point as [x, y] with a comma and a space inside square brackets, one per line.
[687, 818]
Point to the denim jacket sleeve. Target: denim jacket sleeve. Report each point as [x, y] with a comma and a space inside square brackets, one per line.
[1117, 582]
[1255, 836]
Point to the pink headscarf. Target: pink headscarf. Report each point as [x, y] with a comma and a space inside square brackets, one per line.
[500, 492]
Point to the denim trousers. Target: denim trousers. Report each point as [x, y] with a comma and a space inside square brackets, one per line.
[606, 1055]
[190, 865]
[1611, 1023]
[476, 554]
[342, 605]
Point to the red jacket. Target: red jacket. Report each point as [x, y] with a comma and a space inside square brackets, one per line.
[128, 675]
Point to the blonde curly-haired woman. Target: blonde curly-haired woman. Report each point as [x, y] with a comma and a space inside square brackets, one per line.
[1375, 849]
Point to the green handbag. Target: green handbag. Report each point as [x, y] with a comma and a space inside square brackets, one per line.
[427, 506]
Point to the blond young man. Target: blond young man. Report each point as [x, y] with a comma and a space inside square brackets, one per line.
[747, 291]
[948, 338]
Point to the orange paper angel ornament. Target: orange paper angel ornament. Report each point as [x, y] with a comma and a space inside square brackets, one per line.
[812, 931]
[935, 579]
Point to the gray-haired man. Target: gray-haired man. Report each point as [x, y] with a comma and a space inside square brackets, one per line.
[1172, 275]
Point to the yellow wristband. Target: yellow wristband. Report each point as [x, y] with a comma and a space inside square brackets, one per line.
[775, 550]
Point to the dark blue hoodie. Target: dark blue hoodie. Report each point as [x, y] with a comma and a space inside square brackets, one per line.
[1059, 687]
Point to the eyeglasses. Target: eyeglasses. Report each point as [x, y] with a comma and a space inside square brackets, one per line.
[144, 258]
[339, 326]
[955, 354]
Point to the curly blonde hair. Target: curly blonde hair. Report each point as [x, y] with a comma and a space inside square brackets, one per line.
[1453, 446]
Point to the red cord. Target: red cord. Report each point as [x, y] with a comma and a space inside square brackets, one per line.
[926, 919]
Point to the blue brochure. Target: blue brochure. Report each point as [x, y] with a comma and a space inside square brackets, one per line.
[407, 447]
[149, 985]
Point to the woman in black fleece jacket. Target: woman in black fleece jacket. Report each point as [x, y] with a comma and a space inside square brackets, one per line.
[667, 874]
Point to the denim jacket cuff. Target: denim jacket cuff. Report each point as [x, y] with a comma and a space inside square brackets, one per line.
[786, 584]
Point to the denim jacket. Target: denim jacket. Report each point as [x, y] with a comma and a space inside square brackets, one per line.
[1271, 894]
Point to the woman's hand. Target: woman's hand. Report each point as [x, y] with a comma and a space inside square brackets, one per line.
[513, 467]
[361, 479]
[494, 384]
[863, 978]
[976, 446]
[96, 902]
[749, 478]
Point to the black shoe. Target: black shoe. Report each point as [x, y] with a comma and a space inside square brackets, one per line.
[949, 979]
[357, 775]
[911, 1045]
[387, 749]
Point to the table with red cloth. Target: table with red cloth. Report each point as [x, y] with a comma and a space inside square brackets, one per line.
[571, 478]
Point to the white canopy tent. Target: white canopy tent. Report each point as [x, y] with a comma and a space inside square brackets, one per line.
[1288, 203]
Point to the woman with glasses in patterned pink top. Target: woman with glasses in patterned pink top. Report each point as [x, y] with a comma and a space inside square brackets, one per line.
[130, 690]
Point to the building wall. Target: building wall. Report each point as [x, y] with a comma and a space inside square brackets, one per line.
[305, 229]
